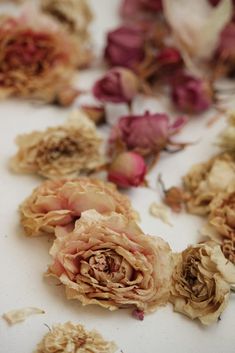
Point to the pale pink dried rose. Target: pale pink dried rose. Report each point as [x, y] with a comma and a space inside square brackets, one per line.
[107, 260]
[61, 202]
[75, 16]
[201, 282]
[205, 180]
[62, 151]
[38, 58]
[127, 169]
[74, 338]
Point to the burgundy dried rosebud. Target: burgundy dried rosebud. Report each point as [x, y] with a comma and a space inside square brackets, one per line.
[95, 113]
[226, 48]
[146, 134]
[191, 94]
[125, 47]
[169, 56]
[128, 169]
[151, 5]
[138, 314]
[119, 85]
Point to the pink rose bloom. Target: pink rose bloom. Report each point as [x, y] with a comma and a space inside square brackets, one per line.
[145, 134]
[125, 47]
[131, 8]
[118, 85]
[108, 261]
[61, 202]
[191, 94]
[127, 169]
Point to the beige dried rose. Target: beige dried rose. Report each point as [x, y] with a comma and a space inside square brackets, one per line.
[226, 139]
[63, 151]
[107, 260]
[201, 282]
[75, 16]
[38, 58]
[74, 338]
[205, 180]
[61, 202]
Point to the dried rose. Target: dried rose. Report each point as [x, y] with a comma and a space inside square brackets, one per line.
[127, 169]
[125, 47]
[37, 58]
[119, 85]
[61, 202]
[226, 139]
[95, 113]
[201, 282]
[65, 150]
[75, 17]
[169, 59]
[145, 134]
[108, 261]
[205, 180]
[191, 94]
[73, 338]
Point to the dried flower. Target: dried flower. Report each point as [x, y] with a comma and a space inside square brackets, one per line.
[119, 85]
[73, 338]
[191, 94]
[201, 282]
[65, 150]
[95, 113]
[196, 26]
[169, 59]
[205, 180]
[127, 169]
[75, 17]
[61, 202]
[132, 8]
[108, 261]
[37, 57]
[125, 47]
[145, 134]
[226, 139]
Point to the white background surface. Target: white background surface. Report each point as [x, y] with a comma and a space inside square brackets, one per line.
[23, 261]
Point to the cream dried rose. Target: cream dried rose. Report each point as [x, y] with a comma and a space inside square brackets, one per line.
[71, 338]
[205, 180]
[226, 139]
[201, 282]
[61, 202]
[75, 16]
[107, 260]
[62, 151]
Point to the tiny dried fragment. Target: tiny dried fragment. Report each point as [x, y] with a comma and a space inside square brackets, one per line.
[205, 180]
[117, 265]
[74, 338]
[160, 211]
[175, 198]
[75, 17]
[15, 316]
[63, 151]
[201, 282]
[61, 202]
[95, 113]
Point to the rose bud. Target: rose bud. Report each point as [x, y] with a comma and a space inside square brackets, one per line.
[95, 113]
[128, 169]
[125, 47]
[191, 94]
[146, 134]
[119, 85]
[169, 58]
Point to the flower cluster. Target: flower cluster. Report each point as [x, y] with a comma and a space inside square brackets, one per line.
[65, 150]
[37, 58]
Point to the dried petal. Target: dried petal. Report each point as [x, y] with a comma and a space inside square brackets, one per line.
[160, 211]
[19, 315]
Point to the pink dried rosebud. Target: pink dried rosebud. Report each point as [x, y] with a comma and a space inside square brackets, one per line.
[119, 85]
[191, 94]
[125, 47]
[169, 57]
[138, 314]
[145, 134]
[128, 169]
